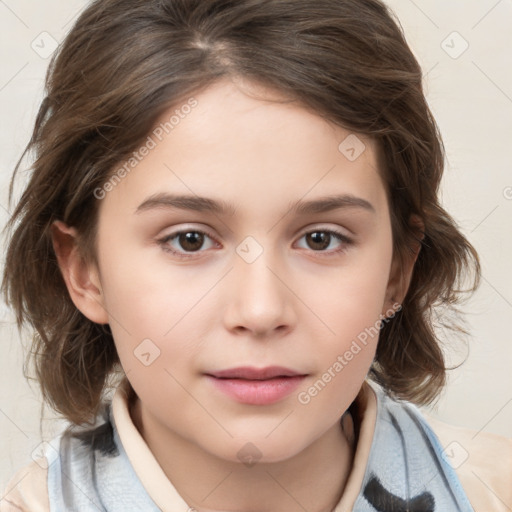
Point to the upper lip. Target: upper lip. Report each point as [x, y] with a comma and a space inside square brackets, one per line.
[251, 373]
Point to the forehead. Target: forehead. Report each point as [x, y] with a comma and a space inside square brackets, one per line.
[250, 147]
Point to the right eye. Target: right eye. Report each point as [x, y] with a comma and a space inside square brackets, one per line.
[185, 242]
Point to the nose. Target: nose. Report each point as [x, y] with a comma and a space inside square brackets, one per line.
[260, 300]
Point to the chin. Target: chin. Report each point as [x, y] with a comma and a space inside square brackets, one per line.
[258, 450]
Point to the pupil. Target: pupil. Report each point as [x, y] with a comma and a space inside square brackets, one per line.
[191, 241]
[319, 237]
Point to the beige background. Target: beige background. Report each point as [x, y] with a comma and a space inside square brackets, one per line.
[471, 97]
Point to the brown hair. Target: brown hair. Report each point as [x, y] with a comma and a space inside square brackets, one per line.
[125, 61]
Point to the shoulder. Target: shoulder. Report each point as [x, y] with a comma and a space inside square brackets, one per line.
[27, 490]
[71, 456]
[482, 461]
[405, 466]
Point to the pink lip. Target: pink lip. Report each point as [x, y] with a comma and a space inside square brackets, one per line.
[251, 373]
[256, 386]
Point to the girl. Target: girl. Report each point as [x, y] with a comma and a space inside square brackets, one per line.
[233, 213]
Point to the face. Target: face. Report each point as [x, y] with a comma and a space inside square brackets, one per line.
[253, 234]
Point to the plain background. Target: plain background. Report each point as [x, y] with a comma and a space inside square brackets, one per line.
[464, 49]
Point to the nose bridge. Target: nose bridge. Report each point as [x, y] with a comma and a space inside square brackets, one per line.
[261, 301]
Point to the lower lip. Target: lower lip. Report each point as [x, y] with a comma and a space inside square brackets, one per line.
[257, 392]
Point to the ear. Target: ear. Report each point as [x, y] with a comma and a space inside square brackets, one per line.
[401, 272]
[81, 277]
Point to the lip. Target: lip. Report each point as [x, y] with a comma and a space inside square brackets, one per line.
[255, 386]
[252, 373]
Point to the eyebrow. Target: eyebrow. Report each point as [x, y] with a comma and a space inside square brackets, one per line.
[206, 204]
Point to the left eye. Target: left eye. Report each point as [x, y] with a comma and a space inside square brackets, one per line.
[321, 239]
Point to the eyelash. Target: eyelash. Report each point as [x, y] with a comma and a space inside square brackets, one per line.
[164, 242]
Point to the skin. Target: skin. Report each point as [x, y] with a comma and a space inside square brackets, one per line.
[296, 305]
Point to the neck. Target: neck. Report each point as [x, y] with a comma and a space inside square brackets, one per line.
[312, 480]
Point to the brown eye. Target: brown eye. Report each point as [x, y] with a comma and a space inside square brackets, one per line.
[191, 240]
[186, 242]
[318, 240]
[321, 239]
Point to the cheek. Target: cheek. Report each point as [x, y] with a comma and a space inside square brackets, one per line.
[350, 307]
[153, 311]
[344, 355]
[354, 295]
[145, 292]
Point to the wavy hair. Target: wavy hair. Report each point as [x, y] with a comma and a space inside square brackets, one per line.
[125, 62]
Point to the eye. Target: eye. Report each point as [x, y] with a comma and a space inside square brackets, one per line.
[321, 239]
[185, 241]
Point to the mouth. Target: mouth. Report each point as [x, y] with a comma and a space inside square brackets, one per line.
[256, 386]
[251, 373]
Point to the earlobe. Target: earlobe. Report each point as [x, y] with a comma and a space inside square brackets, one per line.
[81, 277]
